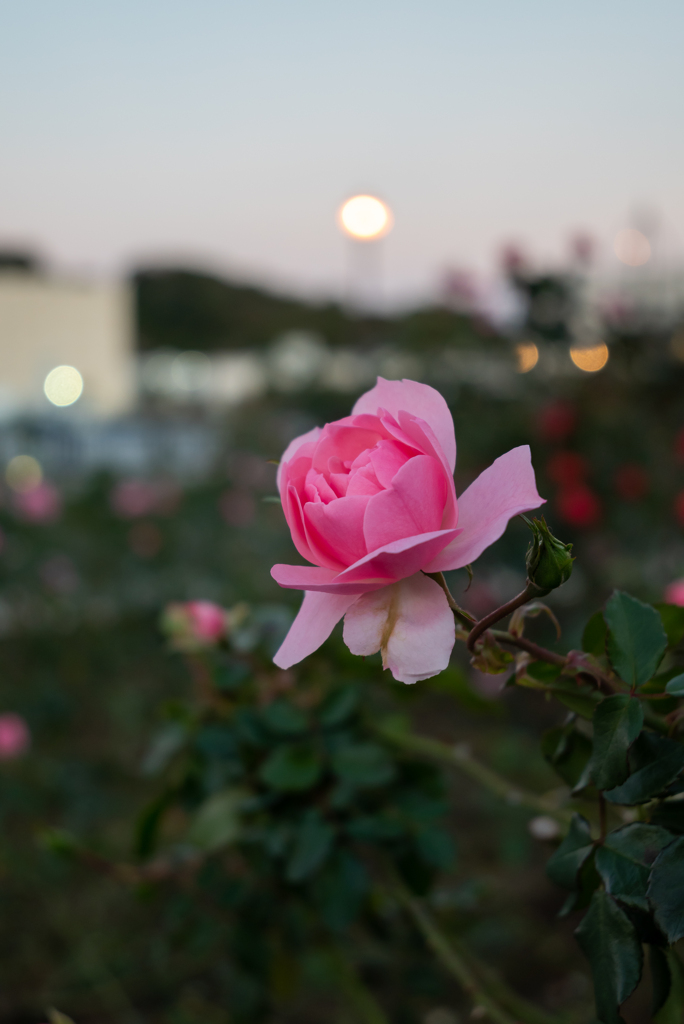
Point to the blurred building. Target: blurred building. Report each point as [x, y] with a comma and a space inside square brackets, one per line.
[47, 322]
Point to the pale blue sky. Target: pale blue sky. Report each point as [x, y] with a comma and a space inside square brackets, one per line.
[230, 132]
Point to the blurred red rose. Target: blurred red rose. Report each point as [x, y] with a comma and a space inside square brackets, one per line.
[579, 506]
[566, 468]
[556, 421]
[631, 481]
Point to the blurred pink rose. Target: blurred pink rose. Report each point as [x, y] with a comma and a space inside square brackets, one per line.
[14, 736]
[370, 501]
[674, 593]
[194, 624]
[41, 504]
[134, 498]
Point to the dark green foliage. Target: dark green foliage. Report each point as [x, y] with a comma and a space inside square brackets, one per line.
[363, 764]
[292, 767]
[654, 762]
[563, 867]
[594, 635]
[666, 890]
[609, 941]
[568, 750]
[675, 686]
[624, 861]
[636, 640]
[312, 843]
[617, 723]
[661, 977]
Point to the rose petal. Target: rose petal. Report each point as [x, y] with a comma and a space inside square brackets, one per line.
[502, 491]
[317, 617]
[339, 526]
[412, 505]
[410, 622]
[399, 559]
[419, 399]
[292, 449]
[394, 562]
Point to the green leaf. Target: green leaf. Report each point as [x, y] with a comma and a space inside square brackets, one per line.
[672, 616]
[363, 764]
[594, 635]
[676, 686]
[668, 814]
[313, 842]
[624, 861]
[608, 940]
[617, 723]
[436, 847]
[339, 889]
[666, 890]
[580, 699]
[217, 822]
[375, 828]
[339, 706]
[568, 751]
[563, 866]
[284, 719]
[290, 768]
[636, 639]
[654, 762]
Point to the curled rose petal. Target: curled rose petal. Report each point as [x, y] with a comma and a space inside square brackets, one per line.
[410, 622]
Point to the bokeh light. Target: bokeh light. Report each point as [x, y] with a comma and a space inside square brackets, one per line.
[592, 358]
[365, 217]
[63, 385]
[632, 247]
[23, 473]
[527, 356]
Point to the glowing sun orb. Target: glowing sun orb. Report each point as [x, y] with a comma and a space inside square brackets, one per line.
[63, 385]
[527, 356]
[590, 359]
[365, 218]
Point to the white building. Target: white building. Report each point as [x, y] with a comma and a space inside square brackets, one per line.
[46, 322]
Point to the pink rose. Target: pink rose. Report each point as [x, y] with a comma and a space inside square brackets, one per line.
[674, 593]
[370, 500]
[194, 624]
[14, 736]
[40, 504]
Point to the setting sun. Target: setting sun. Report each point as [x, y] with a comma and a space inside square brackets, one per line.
[365, 217]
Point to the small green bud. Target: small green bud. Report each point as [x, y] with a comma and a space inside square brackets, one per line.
[549, 562]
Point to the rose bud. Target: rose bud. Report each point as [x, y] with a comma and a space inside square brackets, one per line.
[194, 624]
[549, 562]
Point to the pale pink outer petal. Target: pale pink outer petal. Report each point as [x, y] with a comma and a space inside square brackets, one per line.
[292, 449]
[393, 562]
[409, 396]
[502, 491]
[410, 622]
[317, 617]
